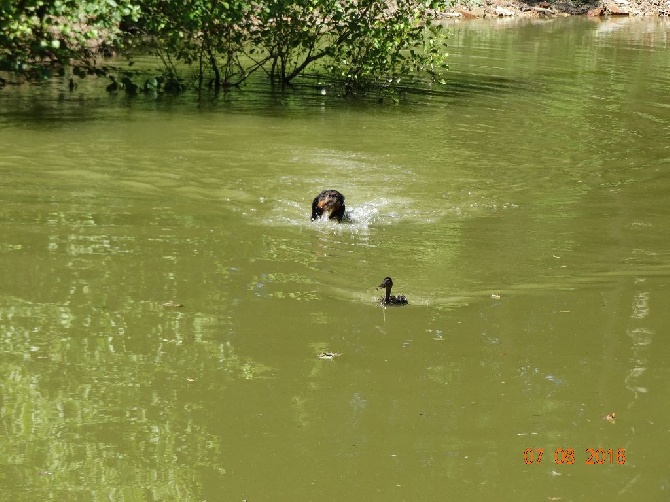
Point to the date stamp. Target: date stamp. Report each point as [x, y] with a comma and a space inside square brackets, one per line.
[568, 456]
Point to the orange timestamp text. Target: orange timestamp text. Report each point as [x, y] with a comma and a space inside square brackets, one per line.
[567, 456]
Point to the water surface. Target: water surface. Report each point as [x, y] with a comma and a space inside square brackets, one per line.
[522, 210]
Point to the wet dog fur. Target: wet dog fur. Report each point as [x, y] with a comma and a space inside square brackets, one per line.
[330, 202]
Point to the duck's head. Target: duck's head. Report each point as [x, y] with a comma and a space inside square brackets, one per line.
[386, 283]
[389, 299]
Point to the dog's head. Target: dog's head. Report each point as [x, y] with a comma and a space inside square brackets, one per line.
[330, 202]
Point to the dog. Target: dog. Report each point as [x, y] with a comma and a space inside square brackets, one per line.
[330, 202]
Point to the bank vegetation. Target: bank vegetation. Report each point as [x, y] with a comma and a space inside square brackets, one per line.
[216, 44]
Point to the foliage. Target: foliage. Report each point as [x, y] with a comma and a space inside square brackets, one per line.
[60, 30]
[363, 43]
[210, 34]
[381, 44]
[292, 35]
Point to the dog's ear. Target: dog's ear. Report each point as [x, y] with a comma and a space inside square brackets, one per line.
[316, 210]
[339, 214]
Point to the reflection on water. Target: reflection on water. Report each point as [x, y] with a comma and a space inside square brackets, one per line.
[522, 211]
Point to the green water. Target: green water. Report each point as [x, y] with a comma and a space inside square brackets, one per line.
[523, 212]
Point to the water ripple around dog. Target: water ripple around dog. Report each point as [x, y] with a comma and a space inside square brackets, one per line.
[359, 218]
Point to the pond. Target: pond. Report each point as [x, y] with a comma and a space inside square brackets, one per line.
[164, 296]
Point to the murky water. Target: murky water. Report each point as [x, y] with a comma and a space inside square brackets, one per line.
[523, 212]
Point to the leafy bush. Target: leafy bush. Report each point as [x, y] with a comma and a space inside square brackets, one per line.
[362, 43]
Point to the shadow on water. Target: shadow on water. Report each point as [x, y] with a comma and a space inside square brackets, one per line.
[51, 104]
[468, 85]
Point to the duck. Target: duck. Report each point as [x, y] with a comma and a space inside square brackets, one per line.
[390, 299]
[330, 202]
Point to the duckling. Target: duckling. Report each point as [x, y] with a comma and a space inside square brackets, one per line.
[331, 202]
[390, 299]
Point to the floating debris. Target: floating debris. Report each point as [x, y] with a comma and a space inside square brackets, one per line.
[329, 356]
[611, 418]
[172, 304]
